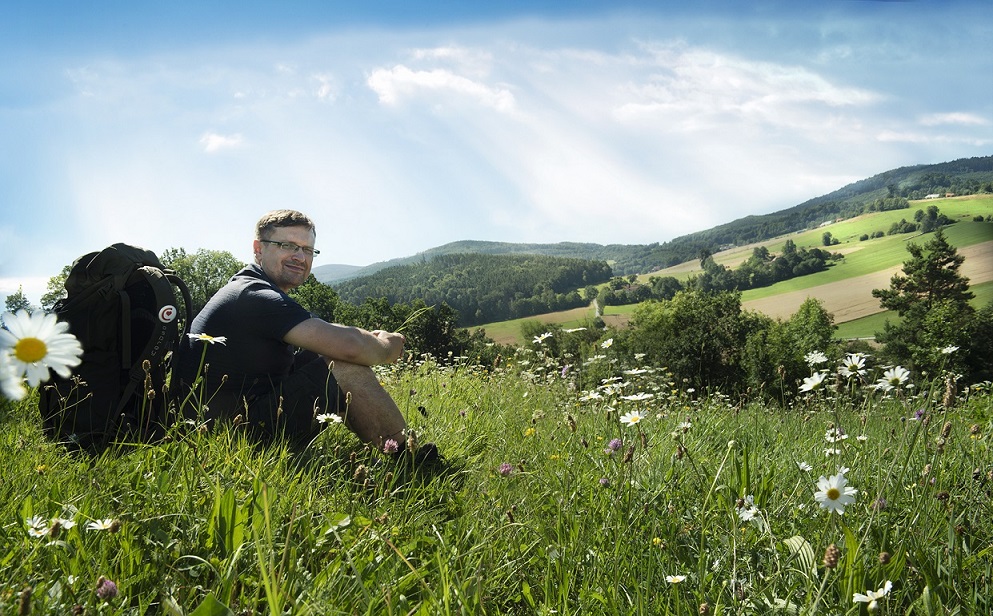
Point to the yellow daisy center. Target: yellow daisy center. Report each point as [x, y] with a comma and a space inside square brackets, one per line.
[833, 493]
[30, 350]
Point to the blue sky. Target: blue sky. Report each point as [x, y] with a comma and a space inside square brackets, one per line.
[400, 126]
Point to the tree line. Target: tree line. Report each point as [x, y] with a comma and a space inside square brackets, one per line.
[483, 288]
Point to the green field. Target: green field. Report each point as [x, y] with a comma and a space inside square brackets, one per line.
[861, 257]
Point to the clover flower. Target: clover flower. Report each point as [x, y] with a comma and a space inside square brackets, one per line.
[834, 493]
[631, 418]
[37, 342]
[106, 589]
[505, 468]
[390, 446]
[613, 446]
[873, 596]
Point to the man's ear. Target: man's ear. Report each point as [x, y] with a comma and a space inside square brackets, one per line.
[257, 251]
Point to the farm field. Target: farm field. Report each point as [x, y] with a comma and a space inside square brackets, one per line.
[846, 287]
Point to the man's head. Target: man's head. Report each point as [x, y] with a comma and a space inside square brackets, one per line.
[284, 247]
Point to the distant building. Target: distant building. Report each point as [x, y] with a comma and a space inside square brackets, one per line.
[932, 196]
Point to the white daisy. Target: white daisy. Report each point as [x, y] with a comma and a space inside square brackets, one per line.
[813, 381]
[11, 383]
[210, 339]
[834, 494]
[38, 342]
[873, 596]
[631, 418]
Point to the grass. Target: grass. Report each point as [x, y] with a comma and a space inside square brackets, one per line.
[550, 504]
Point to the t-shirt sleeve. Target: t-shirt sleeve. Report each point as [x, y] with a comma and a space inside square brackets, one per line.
[272, 313]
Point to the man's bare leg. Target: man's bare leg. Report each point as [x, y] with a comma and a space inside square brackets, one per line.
[372, 414]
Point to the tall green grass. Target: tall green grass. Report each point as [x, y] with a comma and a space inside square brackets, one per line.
[549, 504]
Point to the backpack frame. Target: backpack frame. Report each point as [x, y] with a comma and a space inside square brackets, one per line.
[121, 306]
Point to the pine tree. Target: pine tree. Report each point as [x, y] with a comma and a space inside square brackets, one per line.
[930, 280]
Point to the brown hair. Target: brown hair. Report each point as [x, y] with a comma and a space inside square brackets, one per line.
[281, 218]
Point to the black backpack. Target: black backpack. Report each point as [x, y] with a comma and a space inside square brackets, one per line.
[121, 306]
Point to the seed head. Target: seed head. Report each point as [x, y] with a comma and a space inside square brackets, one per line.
[831, 556]
[884, 558]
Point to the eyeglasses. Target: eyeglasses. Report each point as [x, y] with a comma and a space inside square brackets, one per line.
[292, 248]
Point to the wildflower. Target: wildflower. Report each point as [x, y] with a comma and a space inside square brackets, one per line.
[542, 337]
[106, 589]
[639, 396]
[685, 426]
[872, 596]
[835, 435]
[656, 542]
[607, 343]
[894, 377]
[675, 579]
[37, 527]
[505, 468]
[210, 339]
[38, 342]
[948, 350]
[832, 451]
[105, 524]
[814, 358]
[834, 494]
[631, 418]
[813, 382]
[390, 446]
[861, 438]
[853, 365]
[803, 466]
[604, 482]
[747, 509]
[614, 445]
[574, 330]
[11, 383]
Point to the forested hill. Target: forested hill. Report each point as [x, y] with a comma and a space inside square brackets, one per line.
[483, 288]
[887, 190]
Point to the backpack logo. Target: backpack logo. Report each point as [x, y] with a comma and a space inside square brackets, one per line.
[167, 314]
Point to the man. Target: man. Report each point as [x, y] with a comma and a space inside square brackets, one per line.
[255, 372]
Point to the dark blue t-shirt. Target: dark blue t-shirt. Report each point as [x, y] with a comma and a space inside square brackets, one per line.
[254, 316]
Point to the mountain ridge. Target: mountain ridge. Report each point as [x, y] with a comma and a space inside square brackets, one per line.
[964, 175]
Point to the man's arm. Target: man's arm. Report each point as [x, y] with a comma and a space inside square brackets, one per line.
[350, 344]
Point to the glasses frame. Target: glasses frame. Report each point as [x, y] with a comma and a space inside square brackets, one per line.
[292, 248]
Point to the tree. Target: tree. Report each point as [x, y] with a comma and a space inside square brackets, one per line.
[204, 272]
[17, 301]
[55, 289]
[930, 279]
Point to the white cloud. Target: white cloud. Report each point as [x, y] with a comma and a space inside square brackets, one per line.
[400, 82]
[960, 118]
[214, 142]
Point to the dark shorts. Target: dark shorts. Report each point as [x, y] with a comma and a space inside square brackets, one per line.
[286, 408]
[291, 409]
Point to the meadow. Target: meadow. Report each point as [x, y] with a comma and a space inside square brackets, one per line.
[603, 487]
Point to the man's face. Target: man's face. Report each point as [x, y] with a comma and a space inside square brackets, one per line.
[288, 269]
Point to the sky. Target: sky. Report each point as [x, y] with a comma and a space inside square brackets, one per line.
[400, 126]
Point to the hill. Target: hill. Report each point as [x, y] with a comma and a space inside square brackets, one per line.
[884, 191]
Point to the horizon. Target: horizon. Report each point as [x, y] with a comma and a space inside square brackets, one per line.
[414, 125]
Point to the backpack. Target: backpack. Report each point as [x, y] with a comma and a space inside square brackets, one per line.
[121, 306]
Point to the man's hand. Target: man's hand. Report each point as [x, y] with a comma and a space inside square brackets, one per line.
[393, 341]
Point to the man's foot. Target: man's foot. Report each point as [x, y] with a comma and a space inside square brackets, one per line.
[424, 454]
